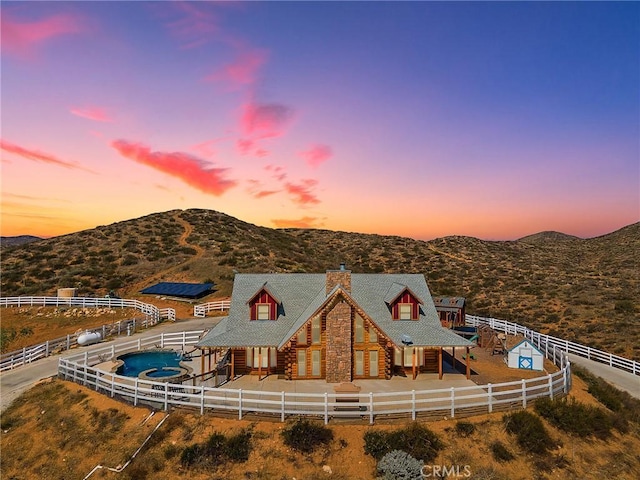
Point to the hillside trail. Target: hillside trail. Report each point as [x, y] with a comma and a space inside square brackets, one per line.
[450, 255]
[183, 242]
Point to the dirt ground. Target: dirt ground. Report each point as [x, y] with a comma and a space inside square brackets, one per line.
[45, 449]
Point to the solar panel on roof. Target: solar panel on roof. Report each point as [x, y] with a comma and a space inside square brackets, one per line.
[179, 289]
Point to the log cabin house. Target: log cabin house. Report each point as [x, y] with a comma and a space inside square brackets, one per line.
[337, 326]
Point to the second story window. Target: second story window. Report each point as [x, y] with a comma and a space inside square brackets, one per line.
[263, 311]
[315, 330]
[405, 311]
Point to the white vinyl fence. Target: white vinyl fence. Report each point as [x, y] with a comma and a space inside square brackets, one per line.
[204, 308]
[546, 343]
[449, 402]
[14, 359]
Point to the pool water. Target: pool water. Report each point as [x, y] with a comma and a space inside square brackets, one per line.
[137, 362]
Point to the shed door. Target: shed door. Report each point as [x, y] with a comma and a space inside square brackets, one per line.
[525, 360]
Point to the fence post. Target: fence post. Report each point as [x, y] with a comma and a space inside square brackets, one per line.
[46, 349]
[370, 408]
[135, 392]
[202, 401]
[282, 403]
[113, 351]
[166, 396]
[524, 394]
[68, 342]
[139, 345]
[326, 408]
[113, 385]
[240, 404]
[24, 355]
[550, 386]
[86, 358]
[453, 407]
[413, 404]
[490, 397]
[162, 340]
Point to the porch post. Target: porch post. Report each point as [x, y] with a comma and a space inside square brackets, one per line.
[468, 365]
[440, 363]
[259, 363]
[233, 364]
[202, 360]
[413, 361]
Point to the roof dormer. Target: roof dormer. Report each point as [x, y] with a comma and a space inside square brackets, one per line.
[263, 305]
[403, 303]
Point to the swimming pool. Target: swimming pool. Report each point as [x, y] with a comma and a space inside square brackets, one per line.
[153, 365]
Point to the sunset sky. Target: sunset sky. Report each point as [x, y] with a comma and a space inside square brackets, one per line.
[420, 119]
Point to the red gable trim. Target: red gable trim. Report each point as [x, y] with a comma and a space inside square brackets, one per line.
[263, 296]
[262, 290]
[402, 294]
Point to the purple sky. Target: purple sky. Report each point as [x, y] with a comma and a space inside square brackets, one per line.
[419, 119]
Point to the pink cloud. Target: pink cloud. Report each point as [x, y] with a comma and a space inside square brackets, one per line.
[243, 71]
[92, 113]
[22, 38]
[316, 155]
[37, 156]
[194, 24]
[304, 222]
[301, 192]
[244, 146]
[277, 172]
[265, 193]
[191, 170]
[265, 120]
[256, 191]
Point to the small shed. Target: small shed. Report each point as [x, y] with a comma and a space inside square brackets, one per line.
[451, 311]
[525, 356]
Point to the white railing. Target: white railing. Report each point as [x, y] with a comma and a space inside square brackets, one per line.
[26, 355]
[167, 314]
[204, 308]
[546, 342]
[450, 402]
[84, 302]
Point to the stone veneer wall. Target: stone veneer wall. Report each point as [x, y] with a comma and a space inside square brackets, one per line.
[338, 334]
[338, 277]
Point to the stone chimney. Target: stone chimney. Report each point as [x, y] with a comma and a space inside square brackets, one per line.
[338, 358]
[340, 277]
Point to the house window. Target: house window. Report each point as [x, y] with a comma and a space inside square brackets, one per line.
[359, 362]
[302, 363]
[373, 335]
[359, 330]
[373, 363]
[315, 330]
[301, 339]
[405, 311]
[315, 363]
[263, 311]
[257, 354]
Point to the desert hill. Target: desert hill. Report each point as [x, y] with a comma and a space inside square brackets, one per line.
[17, 240]
[579, 289]
[548, 236]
